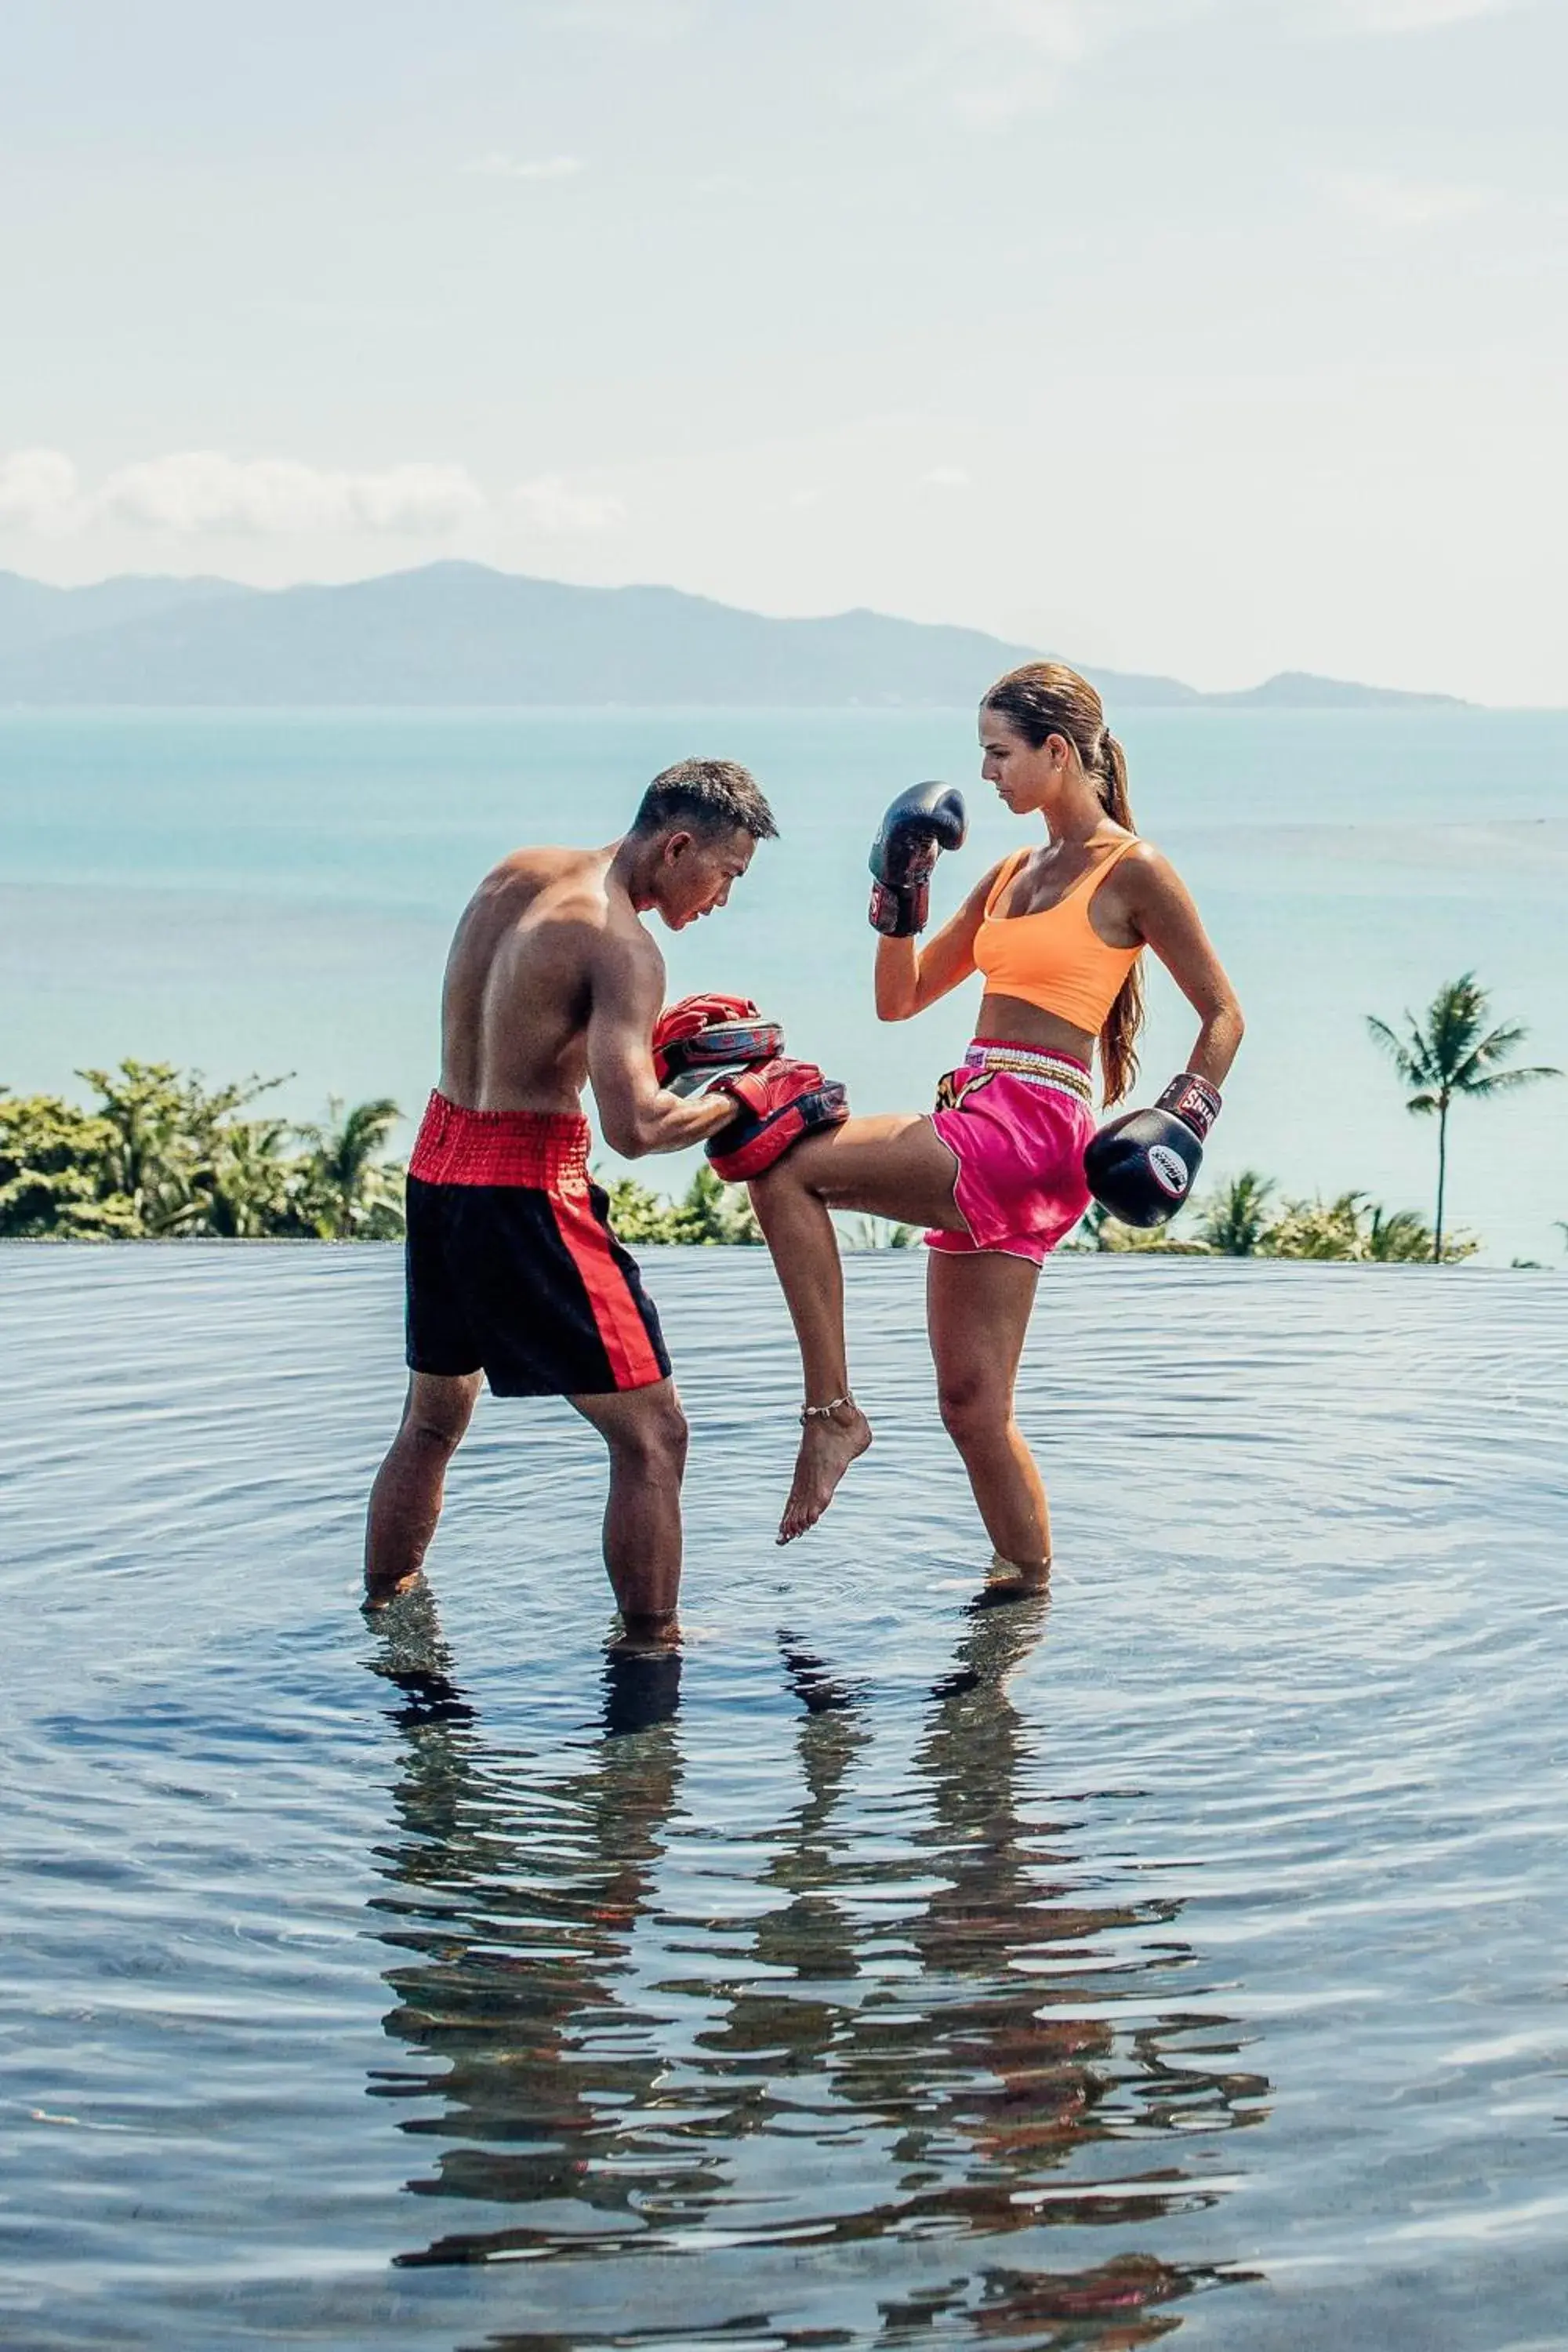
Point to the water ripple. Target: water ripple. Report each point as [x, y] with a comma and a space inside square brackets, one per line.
[1174, 1954]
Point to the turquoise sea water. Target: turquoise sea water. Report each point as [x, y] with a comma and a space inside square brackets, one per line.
[273, 891]
[1181, 1955]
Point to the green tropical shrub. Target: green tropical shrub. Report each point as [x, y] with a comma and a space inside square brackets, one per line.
[162, 1156]
[1238, 1220]
[710, 1213]
[53, 1164]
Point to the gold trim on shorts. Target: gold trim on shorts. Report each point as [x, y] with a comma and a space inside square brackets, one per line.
[1046, 1069]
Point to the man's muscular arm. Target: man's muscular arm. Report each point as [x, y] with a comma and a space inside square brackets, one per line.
[636, 1115]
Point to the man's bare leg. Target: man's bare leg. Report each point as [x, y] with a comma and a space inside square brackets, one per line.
[646, 1432]
[894, 1167]
[405, 1500]
[978, 1311]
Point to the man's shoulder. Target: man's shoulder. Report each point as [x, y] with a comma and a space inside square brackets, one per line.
[573, 895]
[547, 867]
[549, 887]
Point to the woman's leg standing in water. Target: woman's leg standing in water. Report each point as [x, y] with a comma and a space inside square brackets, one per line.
[977, 1309]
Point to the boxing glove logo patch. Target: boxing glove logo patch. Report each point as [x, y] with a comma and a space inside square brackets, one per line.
[1170, 1169]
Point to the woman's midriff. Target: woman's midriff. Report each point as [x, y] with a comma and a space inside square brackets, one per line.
[1010, 1020]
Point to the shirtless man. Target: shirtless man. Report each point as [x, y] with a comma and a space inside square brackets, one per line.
[552, 984]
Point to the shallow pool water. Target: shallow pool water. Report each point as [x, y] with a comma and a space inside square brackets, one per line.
[1183, 1954]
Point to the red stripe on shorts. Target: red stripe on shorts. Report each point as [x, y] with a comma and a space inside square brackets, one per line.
[633, 1363]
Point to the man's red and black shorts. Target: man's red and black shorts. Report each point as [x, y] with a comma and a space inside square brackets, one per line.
[512, 1267]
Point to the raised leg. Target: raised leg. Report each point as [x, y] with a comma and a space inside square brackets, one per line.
[405, 1500]
[893, 1167]
[978, 1310]
[646, 1432]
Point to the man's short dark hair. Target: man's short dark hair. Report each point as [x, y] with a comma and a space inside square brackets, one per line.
[706, 796]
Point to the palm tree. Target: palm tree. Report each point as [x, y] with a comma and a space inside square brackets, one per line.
[1396, 1236]
[1454, 1053]
[1236, 1219]
[246, 1184]
[342, 1161]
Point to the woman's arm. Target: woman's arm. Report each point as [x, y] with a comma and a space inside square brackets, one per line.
[909, 977]
[1160, 909]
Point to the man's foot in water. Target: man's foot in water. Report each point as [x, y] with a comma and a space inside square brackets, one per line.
[645, 1637]
[831, 1438]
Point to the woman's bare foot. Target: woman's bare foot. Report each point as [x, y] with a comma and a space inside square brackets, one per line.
[1026, 1575]
[379, 1596]
[829, 1442]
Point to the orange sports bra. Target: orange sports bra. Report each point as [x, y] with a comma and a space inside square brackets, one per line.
[1055, 960]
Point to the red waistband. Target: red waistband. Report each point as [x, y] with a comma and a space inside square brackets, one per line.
[458, 1146]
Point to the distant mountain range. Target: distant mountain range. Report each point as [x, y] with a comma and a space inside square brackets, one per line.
[460, 634]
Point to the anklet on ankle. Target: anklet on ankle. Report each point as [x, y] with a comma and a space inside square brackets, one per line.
[823, 1411]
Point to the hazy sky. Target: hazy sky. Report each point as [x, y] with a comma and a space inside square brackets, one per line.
[1209, 336]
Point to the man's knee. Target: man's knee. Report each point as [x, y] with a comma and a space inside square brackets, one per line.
[434, 1441]
[655, 1437]
[435, 1415]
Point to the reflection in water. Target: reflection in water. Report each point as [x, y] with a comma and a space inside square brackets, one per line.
[515, 1901]
[895, 2019]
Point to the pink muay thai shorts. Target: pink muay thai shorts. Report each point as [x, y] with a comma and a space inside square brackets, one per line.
[1016, 1121]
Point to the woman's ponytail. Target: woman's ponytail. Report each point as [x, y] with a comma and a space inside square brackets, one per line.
[1119, 1037]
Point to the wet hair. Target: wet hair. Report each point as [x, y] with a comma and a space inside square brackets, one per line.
[1046, 698]
[706, 796]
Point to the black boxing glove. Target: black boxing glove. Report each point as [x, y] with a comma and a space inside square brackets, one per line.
[922, 822]
[1142, 1167]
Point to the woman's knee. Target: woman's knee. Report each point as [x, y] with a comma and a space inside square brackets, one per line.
[778, 1191]
[973, 1409]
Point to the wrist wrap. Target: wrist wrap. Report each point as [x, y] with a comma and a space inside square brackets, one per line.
[899, 913]
[1192, 1100]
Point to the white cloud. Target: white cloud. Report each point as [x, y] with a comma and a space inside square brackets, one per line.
[201, 491]
[1002, 58]
[1410, 16]
[512, 167]
[647, 22]
[551, 505]
[1392, 204]
[37, 491]
[1059, 29]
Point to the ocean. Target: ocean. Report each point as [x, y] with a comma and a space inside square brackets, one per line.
[1179, 1954]
[274, 892]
